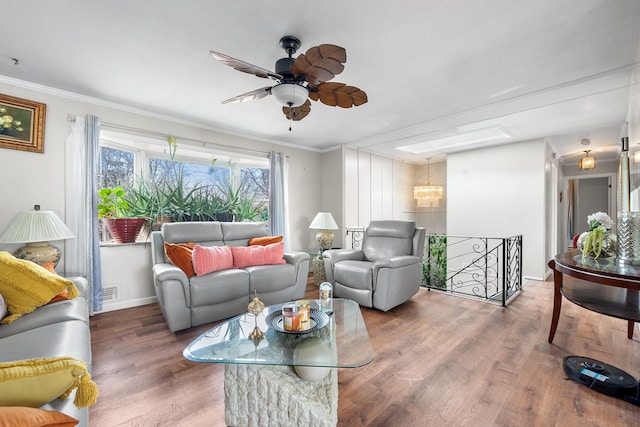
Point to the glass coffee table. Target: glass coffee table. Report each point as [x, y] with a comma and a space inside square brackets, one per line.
[284, 377]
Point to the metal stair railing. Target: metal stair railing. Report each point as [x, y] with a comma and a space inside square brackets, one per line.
[489, 268]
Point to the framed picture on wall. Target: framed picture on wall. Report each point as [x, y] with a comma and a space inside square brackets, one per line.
[21, 124]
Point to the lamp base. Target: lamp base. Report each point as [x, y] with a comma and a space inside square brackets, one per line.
[325, 239]
[40, 253]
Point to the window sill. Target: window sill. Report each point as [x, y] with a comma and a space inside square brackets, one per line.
[113, 244]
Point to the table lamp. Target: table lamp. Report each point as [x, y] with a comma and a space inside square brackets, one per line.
[35, 228]
[324, 222]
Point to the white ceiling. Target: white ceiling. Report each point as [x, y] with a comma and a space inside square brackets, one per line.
[537, 68]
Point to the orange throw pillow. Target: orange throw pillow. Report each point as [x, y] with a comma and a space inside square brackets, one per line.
[64, 295]
[180, 255]
[245, 256]
[207, 259]
[22, 416]
[50, 267]
[266, 240]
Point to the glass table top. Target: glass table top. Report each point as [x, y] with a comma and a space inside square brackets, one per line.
[606, 266]
[342, 343]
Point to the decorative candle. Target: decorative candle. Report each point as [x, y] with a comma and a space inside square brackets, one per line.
[291, 316]
[305, 313]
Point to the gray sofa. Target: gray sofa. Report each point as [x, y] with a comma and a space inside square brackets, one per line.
[191, 301]
[386, 272]
[60, 329]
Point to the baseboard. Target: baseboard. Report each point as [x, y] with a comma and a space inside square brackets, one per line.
[127, 304]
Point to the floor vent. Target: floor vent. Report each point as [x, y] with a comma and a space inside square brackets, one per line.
[110, 293]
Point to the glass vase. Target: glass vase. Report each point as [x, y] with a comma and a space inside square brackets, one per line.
[628, 233]
[609, 245]
[326, 297]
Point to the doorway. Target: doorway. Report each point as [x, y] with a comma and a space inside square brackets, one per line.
[585, 196]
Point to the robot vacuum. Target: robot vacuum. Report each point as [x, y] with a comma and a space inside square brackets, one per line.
[602, 377]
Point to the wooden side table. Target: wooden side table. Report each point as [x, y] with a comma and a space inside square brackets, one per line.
[603, 286]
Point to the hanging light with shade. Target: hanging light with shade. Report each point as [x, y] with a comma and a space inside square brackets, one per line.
[428, 195]
[587, 162]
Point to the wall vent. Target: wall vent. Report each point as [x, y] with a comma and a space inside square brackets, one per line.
[110, 293]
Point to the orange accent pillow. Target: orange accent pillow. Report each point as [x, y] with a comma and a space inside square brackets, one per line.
[22, 416]
[245, 256]
[64, 295]
[207, 259]
[266, 240]
[180, 255]
[50, 267]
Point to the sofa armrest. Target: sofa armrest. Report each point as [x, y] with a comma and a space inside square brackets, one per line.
[337, 255]
[396, 261]
[300, 260]
[174, 295]
[166, 271]
[333, 256]
[82, 285]
[295, 258]
[166, 274]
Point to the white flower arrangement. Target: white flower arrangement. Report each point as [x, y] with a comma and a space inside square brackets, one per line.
[599, 224]
[598, 219]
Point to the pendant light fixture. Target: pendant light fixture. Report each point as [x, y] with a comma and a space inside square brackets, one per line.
[587, 162]
[428, 195]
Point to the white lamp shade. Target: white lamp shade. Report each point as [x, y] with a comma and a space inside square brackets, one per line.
[323, 221]
[36, 226]
[290, 94]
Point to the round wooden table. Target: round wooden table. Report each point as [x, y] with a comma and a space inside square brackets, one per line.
[601, 285]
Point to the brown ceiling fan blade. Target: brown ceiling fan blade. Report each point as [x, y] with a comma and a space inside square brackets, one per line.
[320, 63]
[340, 95]
[245, 67]
[297, 113]
[249, 96]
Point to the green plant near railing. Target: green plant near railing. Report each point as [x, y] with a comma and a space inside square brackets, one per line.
[434, 263]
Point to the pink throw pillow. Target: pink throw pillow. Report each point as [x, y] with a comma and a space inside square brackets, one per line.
[207, 259]
[245, 256]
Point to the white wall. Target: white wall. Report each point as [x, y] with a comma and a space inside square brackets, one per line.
[500, 192]
[32, 178]
[329, 185]
[376, 187]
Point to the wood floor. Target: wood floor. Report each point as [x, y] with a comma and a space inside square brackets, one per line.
[440, 360]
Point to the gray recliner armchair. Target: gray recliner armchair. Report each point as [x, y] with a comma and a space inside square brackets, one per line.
[386, 272]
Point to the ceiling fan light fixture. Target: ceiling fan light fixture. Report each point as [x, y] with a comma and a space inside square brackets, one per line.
[290, 94]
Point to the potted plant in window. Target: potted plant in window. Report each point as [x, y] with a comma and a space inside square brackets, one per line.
[114, 208]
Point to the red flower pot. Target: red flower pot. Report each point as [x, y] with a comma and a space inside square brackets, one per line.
[125, 230]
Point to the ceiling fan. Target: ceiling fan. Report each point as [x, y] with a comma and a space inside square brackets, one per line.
[298, 80]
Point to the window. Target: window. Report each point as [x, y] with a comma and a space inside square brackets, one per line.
[116, 167]
[187, 183]
[255, 181]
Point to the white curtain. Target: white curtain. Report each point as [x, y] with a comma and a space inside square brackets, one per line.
[82, 254]
[278, 218]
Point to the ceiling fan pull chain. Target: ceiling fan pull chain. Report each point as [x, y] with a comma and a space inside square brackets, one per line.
[290, 116]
